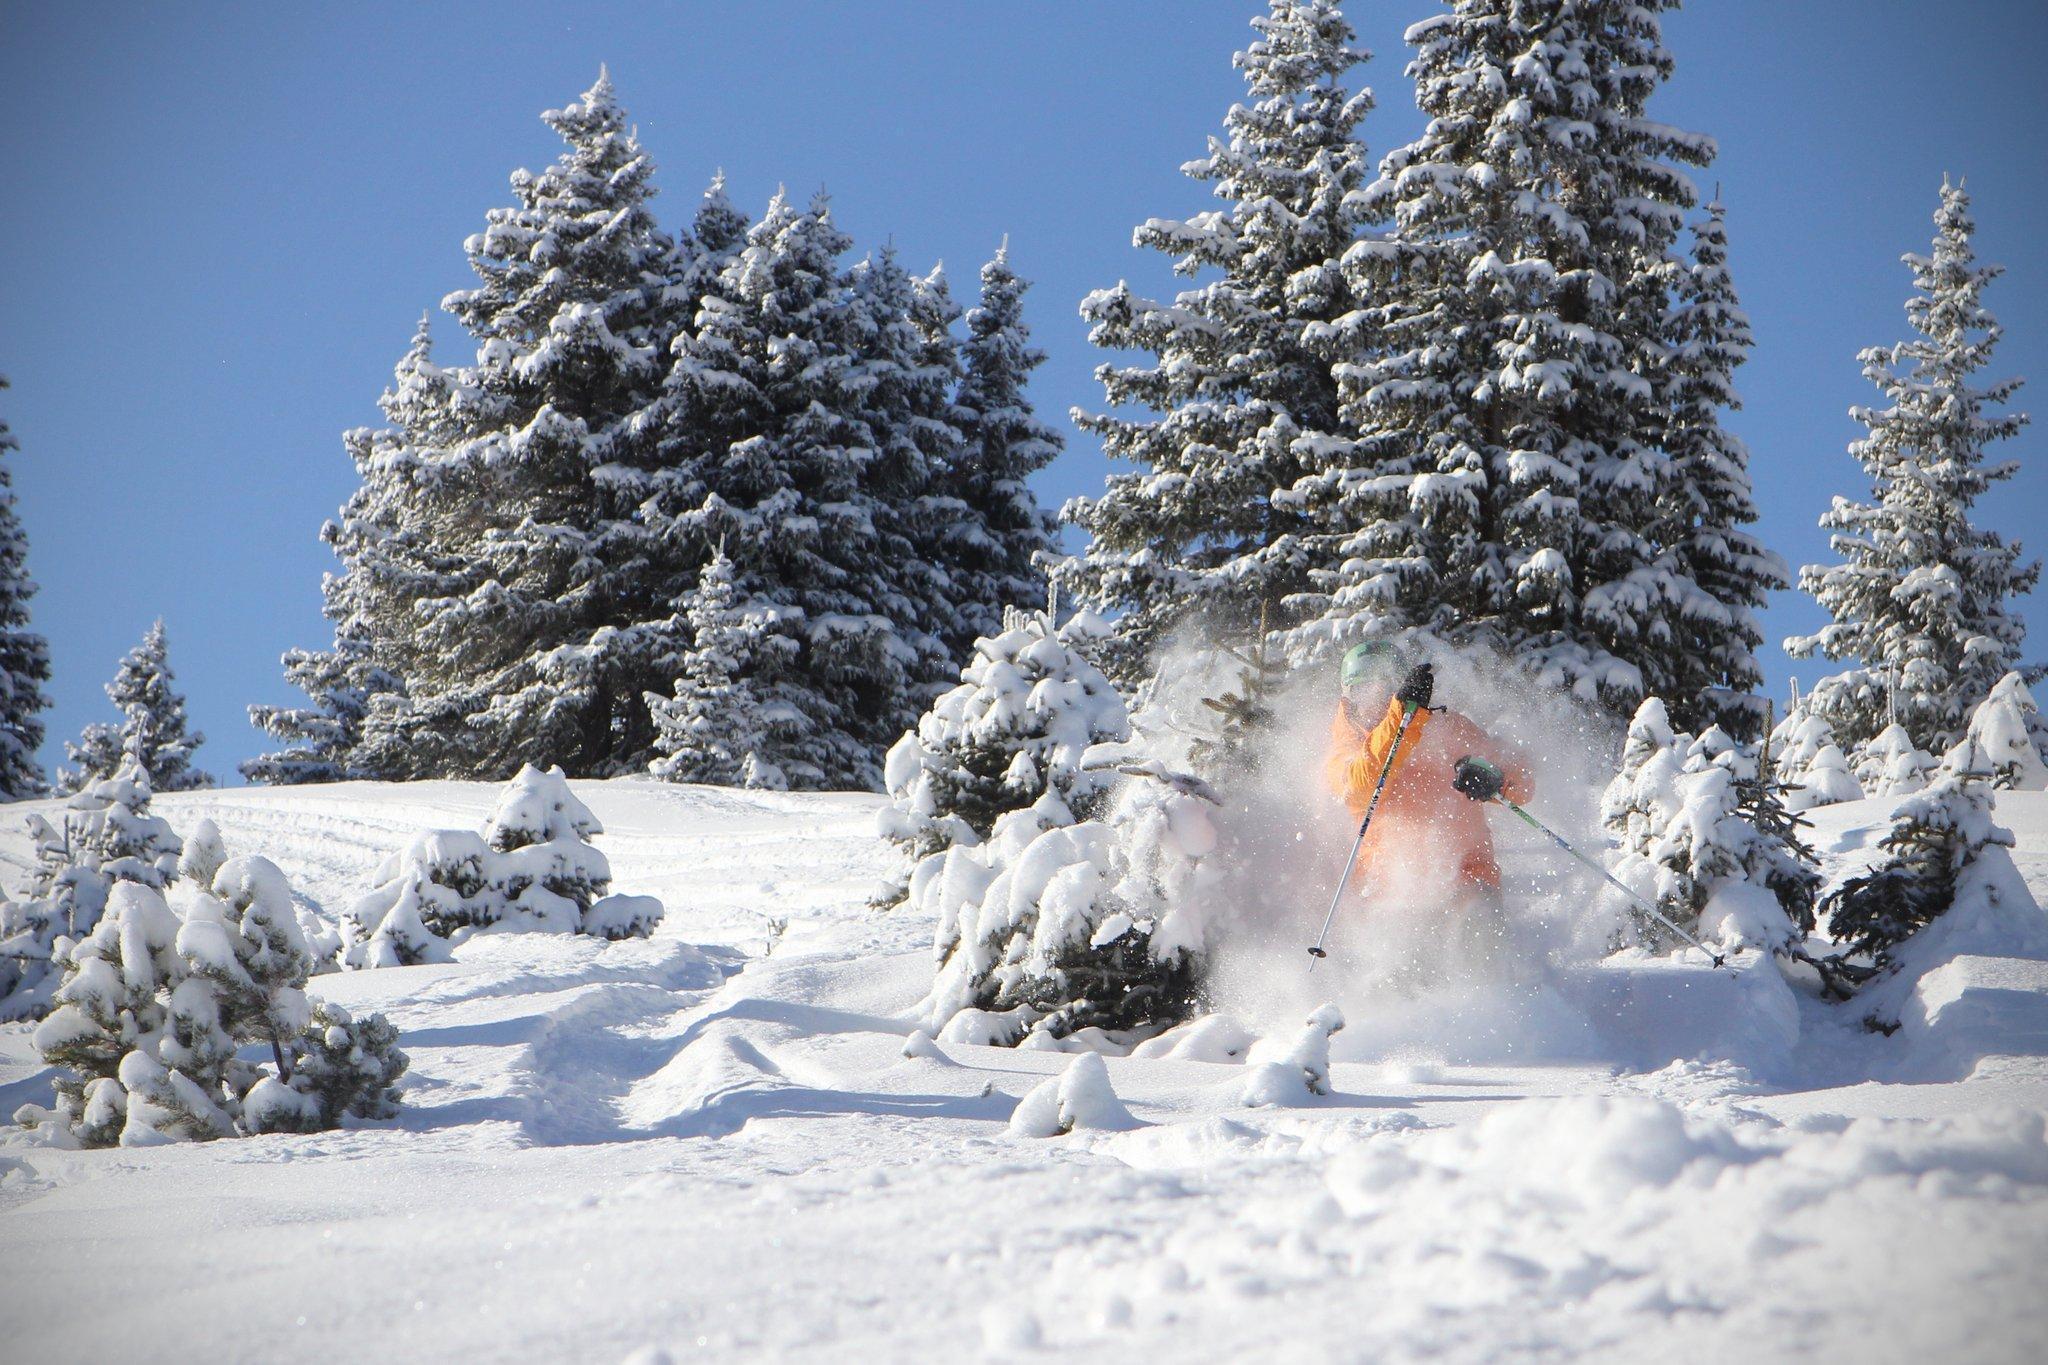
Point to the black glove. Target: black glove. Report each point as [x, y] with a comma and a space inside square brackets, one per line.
[1417, 687]
[1478, 779]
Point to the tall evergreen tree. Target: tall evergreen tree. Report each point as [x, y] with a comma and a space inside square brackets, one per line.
[994, 548]
[152, 731]
[24, 655]
[1209, 525]
[1715, 670]
[535, 650]
[768, 424]
[1521, 496]
[1922, 600]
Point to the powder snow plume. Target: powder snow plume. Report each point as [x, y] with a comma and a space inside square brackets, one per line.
[1421, 974]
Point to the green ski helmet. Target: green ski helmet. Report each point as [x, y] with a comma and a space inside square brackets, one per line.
[1374, 660]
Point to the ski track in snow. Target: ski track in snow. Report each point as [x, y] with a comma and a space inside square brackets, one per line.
[711, 1142]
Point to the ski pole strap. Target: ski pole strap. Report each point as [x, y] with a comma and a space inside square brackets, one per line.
[1641, 901]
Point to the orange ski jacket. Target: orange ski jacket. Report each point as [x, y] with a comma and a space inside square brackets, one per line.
[1420, 815]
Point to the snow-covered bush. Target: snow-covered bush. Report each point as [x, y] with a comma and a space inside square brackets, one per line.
[1701, 835]
[2008, 728]
[1810, 765]
[161, 999]
[1016, 729]
[1936, 835]
[105, 836]
[1891, 765]
[532, 869]
[341, 1067]
[1056, 925]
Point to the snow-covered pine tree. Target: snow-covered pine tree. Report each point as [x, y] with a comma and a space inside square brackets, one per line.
[713, 727]
[1056, 925]
[1810, 765]
[540, 647]
[152, 730]
[2007, 727]
[157, 1004]
[105, 836]
[1208, 526]
[322, 741]
[1922, 600]
[341, 1067]
[1714, 670]
[1890, 765]
[547, 867]
[111, 1002]
[243, 941]
[993, 550]
[24, 655]
[1011, 736]
[531, 870]
[1521, 496]
[1681, 810]
[766, 419]
[398, 547]
[1936, 834]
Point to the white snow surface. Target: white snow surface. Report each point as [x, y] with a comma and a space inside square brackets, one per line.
[715, 1142]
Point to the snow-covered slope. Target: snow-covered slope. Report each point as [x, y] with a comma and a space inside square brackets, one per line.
[713, 1142]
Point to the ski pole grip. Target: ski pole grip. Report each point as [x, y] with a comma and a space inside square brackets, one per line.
[1478, 779]
[1417, 688]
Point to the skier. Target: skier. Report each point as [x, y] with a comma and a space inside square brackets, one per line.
[1425, 835]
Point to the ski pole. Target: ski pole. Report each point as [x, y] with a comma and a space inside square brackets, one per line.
[1642, 902]
[1411, 708]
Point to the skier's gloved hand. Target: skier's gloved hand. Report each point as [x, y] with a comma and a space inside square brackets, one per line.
[1478, 779]
[1417, 687]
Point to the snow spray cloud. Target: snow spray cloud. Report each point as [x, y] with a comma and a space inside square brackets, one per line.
[1420, 972]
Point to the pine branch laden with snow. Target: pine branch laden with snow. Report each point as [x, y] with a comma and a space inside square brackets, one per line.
[1015, 731]
[1215, 518]
[24, 654]
[1936, 836]
[1699, 834]
[152, 731]
[1922, 600]
[104, 837]
[532, 869]
[159, 1001]
[1542, 370]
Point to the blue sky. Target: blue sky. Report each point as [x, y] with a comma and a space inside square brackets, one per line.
[223, 222]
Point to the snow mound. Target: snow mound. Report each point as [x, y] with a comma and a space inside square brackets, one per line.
[1079, 1098]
